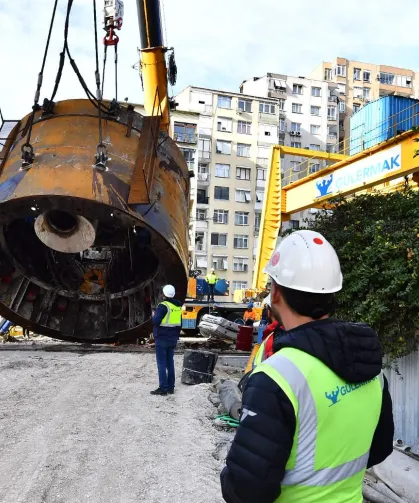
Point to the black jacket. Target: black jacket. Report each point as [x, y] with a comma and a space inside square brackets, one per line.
[261, 448]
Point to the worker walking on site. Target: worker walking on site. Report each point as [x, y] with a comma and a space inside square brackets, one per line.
[211, 278]
[318, 412]
[249, 315]
[167, 323]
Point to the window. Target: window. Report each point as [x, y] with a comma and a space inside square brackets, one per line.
[219, 262]
[222, 170]
[240, 264]
[245, 105]
[314, 146]
[201, 262]
[220, 217]
[331, 113]
[189, 156]
[218, 239]
[241, 241]
[201, 215]
[296, 126]
[315, 110]
[224, 102]
[281, 124]
[242, 173]
[224, 124]
[332, 135]
[223, 147]
[281, 105]
[316, 91]
[327, 74]
[243, 196]
[258, 219]
[201, 196]
[366, 92]
[342, 88]
[260, 194]
[261, 173]
[330, 147]
[357, 73]
[239, 285]
[314, 129]
[295, 166]
[184, 132]
[200, 244]
[297, 108]
[297, 89]
[294, 224]
[241, 218]
[358, 92]
[244, 127]
[243, 150]
[204, 147]
[404, 81]
[366, 76]
[203, 172]
[222, 193]
[387, 78]
[342, 107]
[296, 144]
[267, 108]
[314, 167]
[268, 130]
[356, 107]
[340, 70]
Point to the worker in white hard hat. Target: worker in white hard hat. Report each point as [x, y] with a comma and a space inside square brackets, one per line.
[318, 412]
[167, 323]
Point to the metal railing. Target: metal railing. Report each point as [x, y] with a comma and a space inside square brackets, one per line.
[185, 137]
[400, 122]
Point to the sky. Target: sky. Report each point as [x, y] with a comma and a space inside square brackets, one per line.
[218, 43]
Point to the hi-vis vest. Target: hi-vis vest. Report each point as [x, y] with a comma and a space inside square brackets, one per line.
[335, 424]
[211, 279]
[260, 355]
[173, 317]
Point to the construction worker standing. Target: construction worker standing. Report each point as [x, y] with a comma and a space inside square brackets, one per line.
[167, 323]
[211, 279]
[318, 412]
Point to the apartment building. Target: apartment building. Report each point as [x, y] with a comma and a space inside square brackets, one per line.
[308, 119]
[234, 136]
[358, 83]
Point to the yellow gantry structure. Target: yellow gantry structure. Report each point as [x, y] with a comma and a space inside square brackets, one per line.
[375, 167]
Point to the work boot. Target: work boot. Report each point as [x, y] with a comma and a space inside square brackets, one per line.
[171, 391]
[158, 391]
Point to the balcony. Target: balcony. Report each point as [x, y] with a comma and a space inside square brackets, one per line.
[185, 137]
[201, 224]
[206, 110]
[204, 155]
[332, 118]
[203, 178]
[256, 231]
[200, 248]
[202, 199]
[277, 93]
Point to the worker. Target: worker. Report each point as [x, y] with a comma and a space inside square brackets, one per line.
[249, 316]
[211, 279]
[318, 412]
[167, 323]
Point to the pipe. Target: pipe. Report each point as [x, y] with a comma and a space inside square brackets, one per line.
[153, 61]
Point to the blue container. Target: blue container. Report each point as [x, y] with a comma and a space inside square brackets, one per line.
[381, 120]
[221, 287]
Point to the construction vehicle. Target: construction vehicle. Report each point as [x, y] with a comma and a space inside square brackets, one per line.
[94, 200]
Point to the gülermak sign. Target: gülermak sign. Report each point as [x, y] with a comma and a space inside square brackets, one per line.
[362, 171]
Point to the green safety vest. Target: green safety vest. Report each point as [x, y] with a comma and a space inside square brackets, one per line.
[261, 353]
[335, 425]
[211, 279]
[173, 317]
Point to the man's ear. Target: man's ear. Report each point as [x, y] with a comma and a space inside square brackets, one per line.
[276, 296]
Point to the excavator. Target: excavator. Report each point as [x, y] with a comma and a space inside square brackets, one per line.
[94, 198]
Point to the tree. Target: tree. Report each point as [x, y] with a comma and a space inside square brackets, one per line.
[377, 239]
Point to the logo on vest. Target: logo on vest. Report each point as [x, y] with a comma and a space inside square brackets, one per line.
[247, 412]
[342, 391]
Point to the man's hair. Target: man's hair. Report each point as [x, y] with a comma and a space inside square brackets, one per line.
[313, 305]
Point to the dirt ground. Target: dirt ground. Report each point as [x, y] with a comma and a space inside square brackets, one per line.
[77, 428]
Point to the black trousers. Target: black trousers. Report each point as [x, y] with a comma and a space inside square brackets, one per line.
[211, 289]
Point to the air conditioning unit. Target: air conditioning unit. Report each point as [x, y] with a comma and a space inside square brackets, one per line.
[297, 133]
[292, 133]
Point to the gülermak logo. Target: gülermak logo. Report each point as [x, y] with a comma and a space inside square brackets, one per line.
[342, 391]
[324, 185]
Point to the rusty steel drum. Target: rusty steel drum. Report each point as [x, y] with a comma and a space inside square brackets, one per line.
[85, 252]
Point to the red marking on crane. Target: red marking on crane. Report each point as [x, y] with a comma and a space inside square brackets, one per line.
[318, 241]
[275, 259]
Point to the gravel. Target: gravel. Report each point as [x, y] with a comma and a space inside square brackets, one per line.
[78, 428]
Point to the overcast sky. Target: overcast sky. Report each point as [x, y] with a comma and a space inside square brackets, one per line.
[218, 43]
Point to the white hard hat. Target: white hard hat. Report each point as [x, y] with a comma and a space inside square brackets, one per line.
[169, 291]
[267, 300]
[307, 262]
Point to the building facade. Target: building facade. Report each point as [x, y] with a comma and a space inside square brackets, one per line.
[359, 83]
[235, 133]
